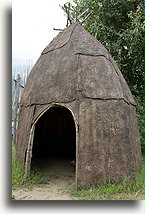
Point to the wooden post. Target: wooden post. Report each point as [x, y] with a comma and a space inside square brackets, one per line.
[17, 93]
[29, 154]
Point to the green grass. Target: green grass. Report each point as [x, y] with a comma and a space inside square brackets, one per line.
[18, 181]
[128, 190]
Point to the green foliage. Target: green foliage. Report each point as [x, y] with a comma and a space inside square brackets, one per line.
[36, 177]
[17, 170]
[128, 190]
[140, 115]
[118, 25]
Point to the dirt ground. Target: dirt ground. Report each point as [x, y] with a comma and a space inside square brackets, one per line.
[61, 178]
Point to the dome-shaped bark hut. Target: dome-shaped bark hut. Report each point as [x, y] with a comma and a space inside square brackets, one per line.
[76, 95]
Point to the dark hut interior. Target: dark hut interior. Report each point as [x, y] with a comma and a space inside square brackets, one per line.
[55, 136]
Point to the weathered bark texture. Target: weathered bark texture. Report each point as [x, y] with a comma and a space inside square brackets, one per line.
[77, 72]
[109, 149]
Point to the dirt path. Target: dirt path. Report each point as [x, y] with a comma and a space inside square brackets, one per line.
[60, 180]
[57, 189]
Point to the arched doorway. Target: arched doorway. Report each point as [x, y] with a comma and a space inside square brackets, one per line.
[54, 139]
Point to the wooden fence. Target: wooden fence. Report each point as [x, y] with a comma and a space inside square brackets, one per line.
[19, 77]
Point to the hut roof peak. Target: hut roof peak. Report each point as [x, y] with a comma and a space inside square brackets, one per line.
[83, 42]
[75, 65]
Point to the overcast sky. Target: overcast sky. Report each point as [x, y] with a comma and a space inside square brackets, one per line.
[32, 27]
